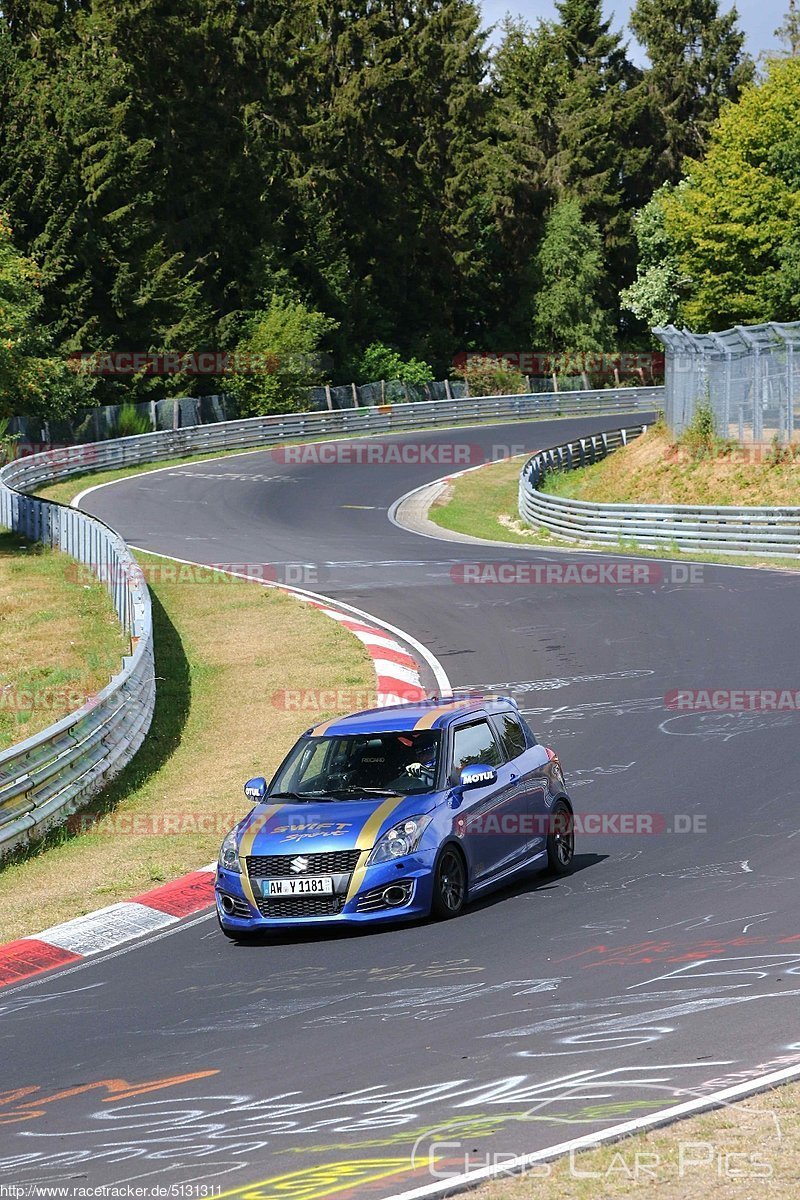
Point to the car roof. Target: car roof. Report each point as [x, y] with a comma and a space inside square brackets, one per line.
[434, 713]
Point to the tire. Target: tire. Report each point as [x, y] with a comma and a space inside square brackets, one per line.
[449, 884]
[561, 839]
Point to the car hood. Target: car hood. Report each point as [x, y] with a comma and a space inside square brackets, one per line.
[284, 828]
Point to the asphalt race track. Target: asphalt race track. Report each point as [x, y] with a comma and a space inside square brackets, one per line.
[667, 966]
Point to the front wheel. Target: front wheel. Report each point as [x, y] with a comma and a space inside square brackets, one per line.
[449, 884]
[561, 839]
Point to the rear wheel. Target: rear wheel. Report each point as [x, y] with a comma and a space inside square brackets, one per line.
[561, 839]
[449, 884]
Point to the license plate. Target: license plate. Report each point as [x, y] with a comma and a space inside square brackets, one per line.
[317, 885]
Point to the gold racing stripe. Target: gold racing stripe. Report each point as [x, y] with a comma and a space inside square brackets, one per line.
[428, 720]
[366, 840]
[246, 845]
[319, 730]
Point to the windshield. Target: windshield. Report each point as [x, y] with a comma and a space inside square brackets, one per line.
[364, 764]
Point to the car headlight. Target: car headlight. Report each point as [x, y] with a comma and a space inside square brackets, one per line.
[403, 838]
[229, 853]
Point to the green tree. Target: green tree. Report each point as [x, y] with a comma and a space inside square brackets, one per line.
[382, 362]
[789, 31]
[697, 63]
[34, 380]
[568, 312]
[529, 75]
[604, 131]
[386, 171]
[486, 376]
[577, 123]
[79, 183]
[654, 297]
[736, 223]
[279, 356]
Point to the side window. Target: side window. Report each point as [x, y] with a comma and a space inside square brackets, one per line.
[474, 744]
[511, 734]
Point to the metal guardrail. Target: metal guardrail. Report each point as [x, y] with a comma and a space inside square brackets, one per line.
[253, 432]
[50, 775]
[750, 530]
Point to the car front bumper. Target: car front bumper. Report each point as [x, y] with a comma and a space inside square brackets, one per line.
[413, 874]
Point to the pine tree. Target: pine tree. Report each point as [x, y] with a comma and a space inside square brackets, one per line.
[529, 76]
[697, 63]
[385, 176]
[572, 96]
[789, 31]
[568, 311]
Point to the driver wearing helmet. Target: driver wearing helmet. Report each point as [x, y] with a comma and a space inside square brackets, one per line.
[420, 757]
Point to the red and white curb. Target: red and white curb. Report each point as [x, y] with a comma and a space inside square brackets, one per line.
[62, 945]
[397, 681]
[396, 672]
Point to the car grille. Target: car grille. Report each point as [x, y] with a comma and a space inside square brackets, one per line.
[301, 906]
[279, 866]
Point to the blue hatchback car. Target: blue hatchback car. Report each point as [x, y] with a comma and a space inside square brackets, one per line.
[394, 813]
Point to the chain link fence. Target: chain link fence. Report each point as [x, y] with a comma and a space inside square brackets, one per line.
[749, 375]
[184, 412]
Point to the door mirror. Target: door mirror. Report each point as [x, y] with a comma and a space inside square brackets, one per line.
[256, 789]
[478, 775]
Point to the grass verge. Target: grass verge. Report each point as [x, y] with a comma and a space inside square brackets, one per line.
[483, 504]
[655, 469]
[60, 639]
[226, 650]
[741, 1152]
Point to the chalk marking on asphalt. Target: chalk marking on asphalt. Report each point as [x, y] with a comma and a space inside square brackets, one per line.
[665, 1116]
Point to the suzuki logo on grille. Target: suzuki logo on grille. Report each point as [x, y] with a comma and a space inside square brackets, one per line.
[299, 864]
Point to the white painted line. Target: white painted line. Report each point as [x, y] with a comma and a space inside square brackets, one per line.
[440, 675]
[85, 964]
[395, 671]
[341, 617]
[106, 928]
[664, 1116]
[278, 445]
[377, 639]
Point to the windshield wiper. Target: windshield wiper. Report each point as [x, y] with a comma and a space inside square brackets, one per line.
[361, 791]
[295, 796]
